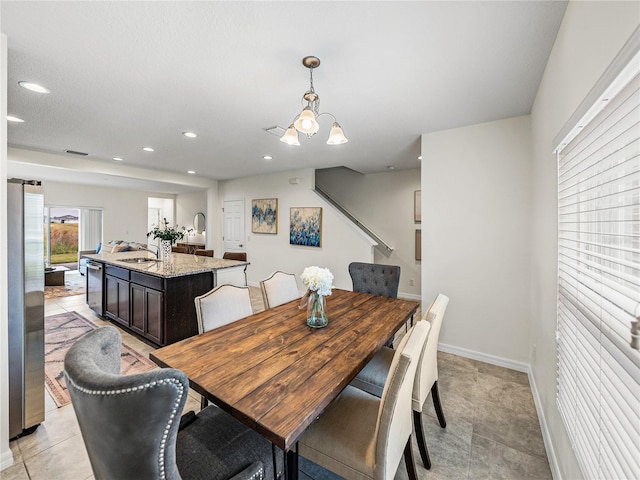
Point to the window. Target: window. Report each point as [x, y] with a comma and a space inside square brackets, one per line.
[598, 376]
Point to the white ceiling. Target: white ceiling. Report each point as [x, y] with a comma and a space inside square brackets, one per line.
[124, 75]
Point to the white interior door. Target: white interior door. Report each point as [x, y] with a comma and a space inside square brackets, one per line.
[233, 235]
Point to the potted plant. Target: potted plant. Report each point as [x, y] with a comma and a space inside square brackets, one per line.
[168, 236]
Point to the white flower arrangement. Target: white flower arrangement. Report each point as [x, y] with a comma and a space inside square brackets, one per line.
[318, 280]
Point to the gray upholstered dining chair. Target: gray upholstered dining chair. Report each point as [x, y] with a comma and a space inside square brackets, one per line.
[360, 436]
[224, 304]
[279, 288]
[375, 278]
[131, 424]
[373, 376]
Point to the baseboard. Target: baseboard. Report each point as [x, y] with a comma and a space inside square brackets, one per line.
[6, 459]
[548, 444]
[485, 357]
[521, 367]
[410, 296]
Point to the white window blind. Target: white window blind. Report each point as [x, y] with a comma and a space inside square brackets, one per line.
[599, 288]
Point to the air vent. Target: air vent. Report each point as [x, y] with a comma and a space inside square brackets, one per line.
[276, 130]
[73, 152]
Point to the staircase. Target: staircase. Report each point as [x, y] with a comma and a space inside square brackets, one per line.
[382, 246]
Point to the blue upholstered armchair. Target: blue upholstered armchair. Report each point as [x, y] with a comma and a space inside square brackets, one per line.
[131, 425]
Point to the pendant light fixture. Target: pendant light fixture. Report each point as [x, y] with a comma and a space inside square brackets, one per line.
[307, 121]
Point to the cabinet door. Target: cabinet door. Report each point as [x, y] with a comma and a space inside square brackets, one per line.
[117, 299]
[123, 302]
[154, 316]
[111, 296]
[138, 308]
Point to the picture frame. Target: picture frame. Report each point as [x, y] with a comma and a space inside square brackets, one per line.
[418, 246]
[417, 206]
[305, 226]
[264, 215]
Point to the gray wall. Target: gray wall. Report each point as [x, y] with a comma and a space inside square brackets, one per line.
[384, 203]
[476, 210]
[591, 35]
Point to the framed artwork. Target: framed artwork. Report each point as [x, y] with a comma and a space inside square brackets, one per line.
[417, 206]
[264, 215]
[418, 244]
[305, 226]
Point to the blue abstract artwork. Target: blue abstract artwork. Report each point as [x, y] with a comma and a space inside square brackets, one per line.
[306, 226]
[264, 215]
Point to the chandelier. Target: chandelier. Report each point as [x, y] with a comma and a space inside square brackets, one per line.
[307, 121]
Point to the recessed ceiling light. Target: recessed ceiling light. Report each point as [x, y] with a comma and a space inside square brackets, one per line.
[192, 172]
[391, 167]
[419, 157]
[34, 87]
[190, 134]
[11, 118]
[268, 157]
[148, 149]
[118, 159]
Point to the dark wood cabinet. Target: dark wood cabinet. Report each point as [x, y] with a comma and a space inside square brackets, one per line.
[117, 299]
[160, 309]
[147, 312]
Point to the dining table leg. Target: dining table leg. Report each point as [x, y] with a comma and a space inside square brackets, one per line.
[292, 463]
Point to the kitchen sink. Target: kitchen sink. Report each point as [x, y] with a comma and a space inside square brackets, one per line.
[138, 260]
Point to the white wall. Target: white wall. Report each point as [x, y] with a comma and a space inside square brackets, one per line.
[124, 211]
[384, 203]
[164, 208]
[590, 36]
[187, 205]
[6, 458]
[341, 242]
[476, 208]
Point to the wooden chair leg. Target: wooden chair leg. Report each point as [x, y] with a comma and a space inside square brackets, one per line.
[437, 405]
[422, 444]
[410, 461]
[203, 402]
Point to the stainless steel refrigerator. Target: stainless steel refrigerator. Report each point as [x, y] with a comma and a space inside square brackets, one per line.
[25, 231]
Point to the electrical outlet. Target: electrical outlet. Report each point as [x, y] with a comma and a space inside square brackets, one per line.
[411, 282]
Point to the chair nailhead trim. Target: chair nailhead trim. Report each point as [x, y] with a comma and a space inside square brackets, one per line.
[167, 381]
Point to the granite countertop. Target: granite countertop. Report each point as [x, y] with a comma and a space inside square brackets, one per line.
[181, 263]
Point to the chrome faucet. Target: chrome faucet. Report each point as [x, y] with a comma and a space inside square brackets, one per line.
[156, 253]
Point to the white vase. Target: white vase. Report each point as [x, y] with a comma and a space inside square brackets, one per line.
[165, 250]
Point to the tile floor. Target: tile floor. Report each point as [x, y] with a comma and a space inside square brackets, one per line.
[492, 427]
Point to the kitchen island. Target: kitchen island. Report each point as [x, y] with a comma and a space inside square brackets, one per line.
[155, 299]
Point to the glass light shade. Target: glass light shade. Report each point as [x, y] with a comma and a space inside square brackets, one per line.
[306, 122]
[290, 137]
[336, 137]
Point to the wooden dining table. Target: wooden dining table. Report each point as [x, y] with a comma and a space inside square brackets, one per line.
[277, 375]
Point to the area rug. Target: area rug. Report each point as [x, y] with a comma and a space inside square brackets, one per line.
[60, 332]
[74, 284]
